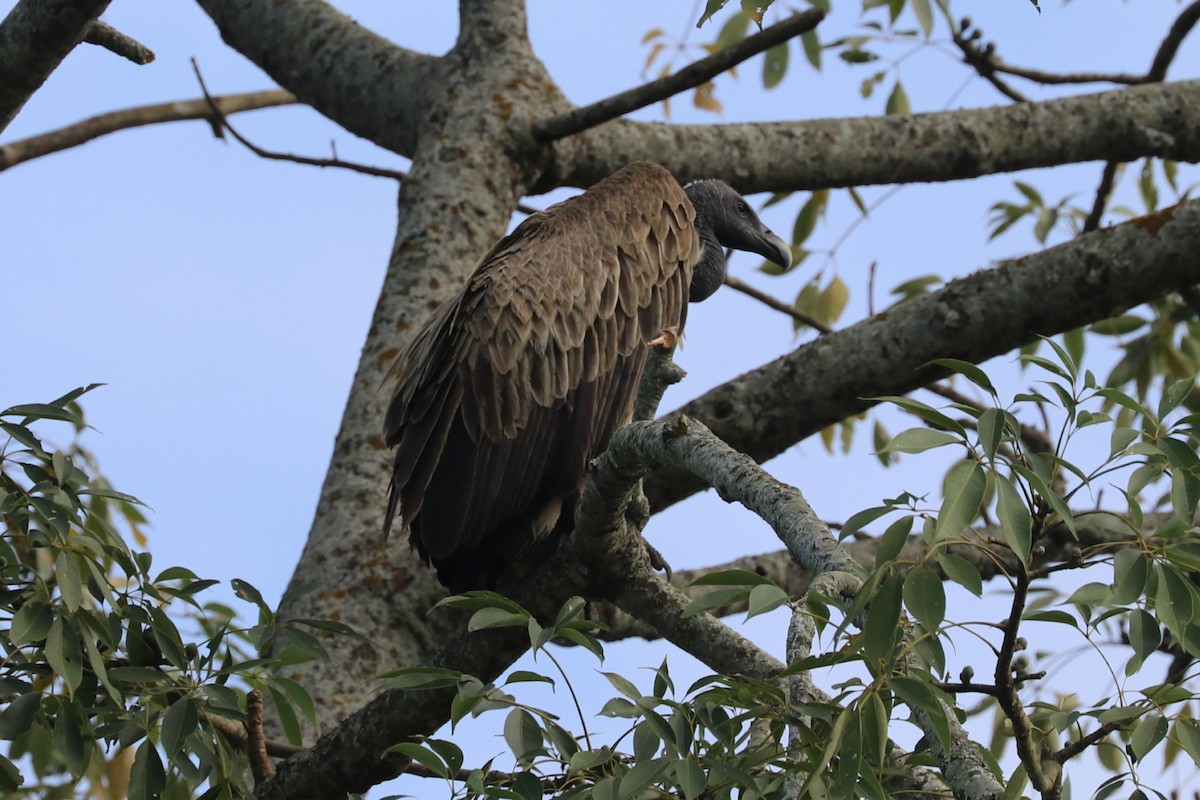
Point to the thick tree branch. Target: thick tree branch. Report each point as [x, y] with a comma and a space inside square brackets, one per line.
[581, 119]
[1123, 125]
[765, 411]
[360, 80]
[91, 128]
[34, 39]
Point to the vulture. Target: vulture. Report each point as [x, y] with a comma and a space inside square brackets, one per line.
[514, 385]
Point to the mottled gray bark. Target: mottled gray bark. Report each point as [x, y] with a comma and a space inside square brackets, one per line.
[763, 412]
[352, 75]
[34, 39]
[1123, 125]
[456, 202]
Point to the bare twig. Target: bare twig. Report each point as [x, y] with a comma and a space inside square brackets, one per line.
[223, 123]
[581, 119]
[101, 34]
[256, 743]
[982, 59]
[1103, 191]
[1076, 747]
[778, 305]
[91, 128]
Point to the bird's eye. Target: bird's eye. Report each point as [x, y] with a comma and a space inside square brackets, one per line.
[742, 207]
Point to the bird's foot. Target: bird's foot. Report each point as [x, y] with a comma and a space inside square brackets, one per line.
[666, 340]
[658, 562]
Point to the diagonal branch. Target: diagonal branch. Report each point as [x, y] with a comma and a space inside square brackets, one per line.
[1123, 125]
[581, 119]
[34, 39]
[769, 409]
[91, 128]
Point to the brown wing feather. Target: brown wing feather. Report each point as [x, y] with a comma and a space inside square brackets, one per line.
[516, 384]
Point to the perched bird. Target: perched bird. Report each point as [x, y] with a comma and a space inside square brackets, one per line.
[515, 384]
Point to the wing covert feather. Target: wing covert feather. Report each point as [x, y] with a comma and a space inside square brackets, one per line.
[507, 393]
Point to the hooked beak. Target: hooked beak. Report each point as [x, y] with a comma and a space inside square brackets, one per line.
[772, 248]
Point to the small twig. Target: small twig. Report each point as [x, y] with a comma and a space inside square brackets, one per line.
[871, 289]
[102, 34]
[261, 153]
[256, 742]
[1072, 749]
[982, 59]
[1103, 191]
[738, 285]
[966, 687]
[91, 128]
[695, 74]
[1182, 26]
[236, 733]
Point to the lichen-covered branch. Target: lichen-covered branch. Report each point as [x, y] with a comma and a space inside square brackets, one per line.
[1161, 120]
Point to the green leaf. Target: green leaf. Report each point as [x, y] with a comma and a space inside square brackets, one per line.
[486, 618]
[775, 64]
[732, 577]
[991, 424]
[623, 685]
[40, 411]
[969, 371]
[11, 778]
[691, 778]
[897, 102]
[961, 571]
[70, 584]
[1149, 732]
[883, 622]
[893, 540]
[423, 755]
[18, 717]
[421, 678]
[919, 695]
[63, 653]
[1015, 518]
[962, 495]
[1188, 733]
[812, 51]
[641, 775]
[288, 720]
[918, 440]
[765, 598]
[930, 415]
[148, 779]
[925, 596]
[523, 735]
[181, 721]
[1130, 570]
[924, 15]
[31, 623]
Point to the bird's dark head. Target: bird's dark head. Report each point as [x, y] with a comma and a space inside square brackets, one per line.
[724, 219]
